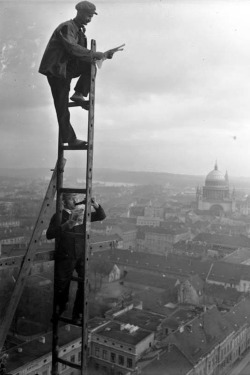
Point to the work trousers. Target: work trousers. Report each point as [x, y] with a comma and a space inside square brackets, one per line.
[64, 269]
[60, 88]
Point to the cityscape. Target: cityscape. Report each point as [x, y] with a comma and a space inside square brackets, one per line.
[170, 297]
[124, 187]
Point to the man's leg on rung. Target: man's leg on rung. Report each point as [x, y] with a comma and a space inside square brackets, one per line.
[60, 88]
[83, 71]
[64, 269]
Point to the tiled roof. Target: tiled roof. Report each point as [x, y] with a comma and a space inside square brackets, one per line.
[149, 279]
[238, 256]
[32, 350]
[224, 240]
[239, 314]
[172, 264]
[196, 282]
[201, 335]
[141, 318]
[97, 238]
[171, 362]
[229, 273]
[219, 292]
[114, 331]
[160, 230]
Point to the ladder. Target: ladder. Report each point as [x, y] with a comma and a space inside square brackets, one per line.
[28, 258]
[56, 359]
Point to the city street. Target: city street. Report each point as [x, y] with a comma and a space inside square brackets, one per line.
[243, 367]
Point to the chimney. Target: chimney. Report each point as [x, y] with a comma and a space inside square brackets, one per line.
[19, 349]
[42, 339]
[181, 329]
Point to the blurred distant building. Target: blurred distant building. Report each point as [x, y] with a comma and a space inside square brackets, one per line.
[215, 196]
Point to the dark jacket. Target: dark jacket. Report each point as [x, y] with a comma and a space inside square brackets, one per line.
[66, 43]
[68, 247]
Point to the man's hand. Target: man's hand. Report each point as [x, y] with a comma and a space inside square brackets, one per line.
[69, 224]
[94, 203]
[109, 54]
[99, 55]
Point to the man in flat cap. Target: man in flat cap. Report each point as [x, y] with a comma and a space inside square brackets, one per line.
[69, 254]
[67, 56]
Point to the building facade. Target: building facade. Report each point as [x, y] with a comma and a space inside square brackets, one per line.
[215, 197]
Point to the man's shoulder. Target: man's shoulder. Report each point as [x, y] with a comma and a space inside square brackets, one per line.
[69, 23]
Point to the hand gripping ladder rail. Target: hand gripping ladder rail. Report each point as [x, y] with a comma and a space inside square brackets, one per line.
[56, 359]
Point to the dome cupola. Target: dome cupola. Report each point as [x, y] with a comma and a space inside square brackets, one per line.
[216, 178]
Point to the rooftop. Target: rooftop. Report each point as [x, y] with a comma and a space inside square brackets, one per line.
[34, 349]
[118, 332]
[235, 241]
[141, 318]
[171, 362]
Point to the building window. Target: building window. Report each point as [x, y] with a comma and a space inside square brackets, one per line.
[79, 357]
[121, 360]
[129, 363]
[97, 352]
[112, 357]
[72, 359]
[63, 366]
[104, 354]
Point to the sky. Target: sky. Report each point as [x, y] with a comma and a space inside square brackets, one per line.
[175, 100]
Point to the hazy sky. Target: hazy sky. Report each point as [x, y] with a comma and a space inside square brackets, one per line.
[175, 100]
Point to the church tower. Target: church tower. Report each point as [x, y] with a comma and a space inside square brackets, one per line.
[215, 197]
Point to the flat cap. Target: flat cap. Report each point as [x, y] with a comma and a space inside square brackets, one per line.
[86, 6]
[68, 195]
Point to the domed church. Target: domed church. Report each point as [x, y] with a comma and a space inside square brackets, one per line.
[215, 196]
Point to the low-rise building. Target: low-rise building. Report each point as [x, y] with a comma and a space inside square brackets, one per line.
[230, 275]
[148, 221]
[34, 357]
[116, 347]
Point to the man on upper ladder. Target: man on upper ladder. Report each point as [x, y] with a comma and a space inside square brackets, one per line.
[66, 57]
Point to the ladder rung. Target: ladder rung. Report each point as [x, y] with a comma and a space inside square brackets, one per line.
[79, 279]
[83, 147]
[74, 235]
[68, 321]
[70, 364]
[72, 190]
[84, 106]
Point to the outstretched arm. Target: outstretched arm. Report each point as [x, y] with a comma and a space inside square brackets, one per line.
[70, 42]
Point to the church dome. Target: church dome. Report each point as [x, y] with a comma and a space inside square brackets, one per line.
[216, 178]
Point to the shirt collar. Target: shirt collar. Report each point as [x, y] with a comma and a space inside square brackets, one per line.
[79, 26]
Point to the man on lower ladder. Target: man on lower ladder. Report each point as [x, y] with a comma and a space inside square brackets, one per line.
[69, 252]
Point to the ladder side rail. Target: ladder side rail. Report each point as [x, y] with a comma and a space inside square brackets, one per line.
[59, 186]
[28, 259]
[87, 227]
